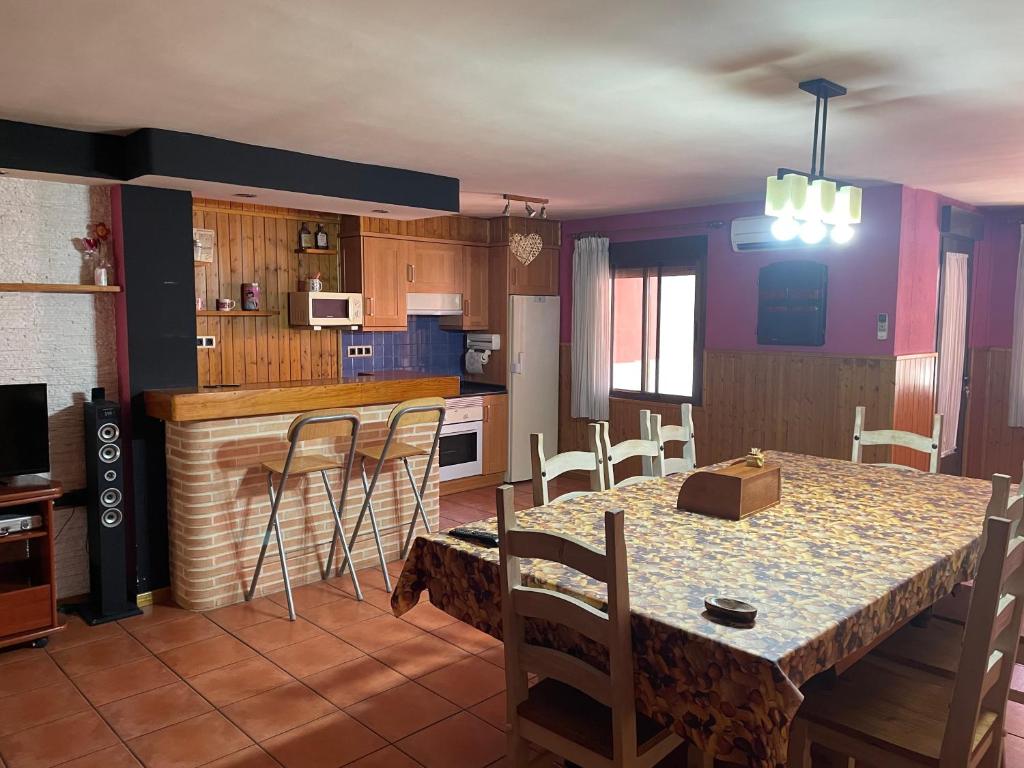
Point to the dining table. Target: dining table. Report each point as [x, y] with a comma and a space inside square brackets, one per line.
[850, 553]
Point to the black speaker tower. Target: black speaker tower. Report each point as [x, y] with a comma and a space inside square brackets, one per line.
[111, 596]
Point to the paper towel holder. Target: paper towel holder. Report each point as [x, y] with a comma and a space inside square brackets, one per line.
[479, 347]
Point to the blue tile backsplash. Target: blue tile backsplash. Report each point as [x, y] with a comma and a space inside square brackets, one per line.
[423, 347]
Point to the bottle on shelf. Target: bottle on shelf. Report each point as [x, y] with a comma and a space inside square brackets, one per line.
[321, 237]
[306, 237]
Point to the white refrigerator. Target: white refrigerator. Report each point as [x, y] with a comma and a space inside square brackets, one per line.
[534, 325]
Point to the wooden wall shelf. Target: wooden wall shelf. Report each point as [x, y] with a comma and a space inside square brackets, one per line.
[234, 313]
[316, 251]
[57, 288]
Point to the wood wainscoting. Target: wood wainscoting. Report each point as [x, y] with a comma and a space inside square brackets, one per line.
[256, 243]
[990, 444]
[788, 401]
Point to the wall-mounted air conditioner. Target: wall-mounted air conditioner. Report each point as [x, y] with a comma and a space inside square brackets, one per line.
[754, 233]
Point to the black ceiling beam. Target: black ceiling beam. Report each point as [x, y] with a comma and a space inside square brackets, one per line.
[156, 152]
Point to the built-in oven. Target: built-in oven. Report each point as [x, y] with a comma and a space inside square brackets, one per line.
[461, 448]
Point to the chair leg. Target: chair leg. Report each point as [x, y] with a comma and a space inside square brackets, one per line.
[339, 533]
[696, 758]
[374, 526]
[417, 511]
[273, 526]
[799, 745]
[518, 752]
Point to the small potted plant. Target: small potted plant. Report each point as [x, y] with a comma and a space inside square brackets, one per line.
[93, 249]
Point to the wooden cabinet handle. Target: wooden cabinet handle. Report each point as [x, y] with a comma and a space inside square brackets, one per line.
[408, 273]
[465, 307]
[487, 413]
[369, 306]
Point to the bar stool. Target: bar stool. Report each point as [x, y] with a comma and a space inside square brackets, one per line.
[329, 422]
[422, 410]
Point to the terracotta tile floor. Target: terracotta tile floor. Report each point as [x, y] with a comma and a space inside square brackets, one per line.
[240, 687]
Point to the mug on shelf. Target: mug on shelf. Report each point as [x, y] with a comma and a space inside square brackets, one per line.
[226, 305]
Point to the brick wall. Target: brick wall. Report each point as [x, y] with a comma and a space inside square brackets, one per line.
[218, 506]
[65, 341]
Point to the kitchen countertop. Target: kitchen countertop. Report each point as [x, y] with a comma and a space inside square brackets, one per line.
[470, 388]
[229, 402]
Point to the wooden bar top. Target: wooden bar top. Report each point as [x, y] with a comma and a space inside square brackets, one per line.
[210, 403]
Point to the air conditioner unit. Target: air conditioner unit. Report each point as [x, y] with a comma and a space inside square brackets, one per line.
[754, 233]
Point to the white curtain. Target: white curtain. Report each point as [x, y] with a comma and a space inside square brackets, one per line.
[952, 343]
[1017, 353]
[591, 328]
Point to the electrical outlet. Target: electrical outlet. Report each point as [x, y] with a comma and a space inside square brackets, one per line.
[362, 350]
[206, 342]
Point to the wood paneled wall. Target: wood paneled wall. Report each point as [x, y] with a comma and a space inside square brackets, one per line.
[257, 244]
[796, 402]
[455, 229]
[914, 405]
[990, 444]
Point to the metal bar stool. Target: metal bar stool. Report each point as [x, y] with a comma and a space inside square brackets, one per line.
[329, 422]
[422, 410]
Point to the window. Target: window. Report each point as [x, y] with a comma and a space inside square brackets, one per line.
[657, 318]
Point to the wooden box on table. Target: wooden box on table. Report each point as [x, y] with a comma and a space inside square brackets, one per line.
[28, 590]
[733, 492]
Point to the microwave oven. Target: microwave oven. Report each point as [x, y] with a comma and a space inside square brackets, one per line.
[320, 309]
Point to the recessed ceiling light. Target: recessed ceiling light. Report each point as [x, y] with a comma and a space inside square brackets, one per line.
[244, 194]
[380, 210]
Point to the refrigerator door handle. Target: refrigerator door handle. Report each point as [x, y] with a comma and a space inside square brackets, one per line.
[517, 366]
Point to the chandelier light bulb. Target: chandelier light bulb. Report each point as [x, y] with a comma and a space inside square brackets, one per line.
[842, 234]
[812, 231]
[785, 228]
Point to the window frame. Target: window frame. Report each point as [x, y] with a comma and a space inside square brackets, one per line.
[692, 255]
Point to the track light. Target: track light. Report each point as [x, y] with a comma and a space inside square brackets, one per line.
[543, 211]
[530, 210]
[507, 208]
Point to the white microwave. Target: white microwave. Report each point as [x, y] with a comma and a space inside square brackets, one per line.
[319, 309]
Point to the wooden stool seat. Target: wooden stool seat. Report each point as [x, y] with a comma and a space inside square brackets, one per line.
[577, 717]
[934, 648]
[396, 450]
[302, 465]
[899, 710]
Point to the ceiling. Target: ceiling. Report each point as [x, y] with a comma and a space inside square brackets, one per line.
[602, 107]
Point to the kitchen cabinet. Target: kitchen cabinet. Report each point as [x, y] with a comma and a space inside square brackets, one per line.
[538, 278]
[473, 287]
[376, 267]
[434, 268]
[495, 434]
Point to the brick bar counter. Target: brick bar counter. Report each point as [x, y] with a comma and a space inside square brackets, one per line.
[217, 440]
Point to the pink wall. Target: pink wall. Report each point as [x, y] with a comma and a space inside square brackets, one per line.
[995, 276]
[862, 275]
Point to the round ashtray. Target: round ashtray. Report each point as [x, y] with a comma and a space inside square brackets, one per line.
[731, 609]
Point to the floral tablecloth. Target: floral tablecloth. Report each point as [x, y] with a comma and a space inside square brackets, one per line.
[851, 552]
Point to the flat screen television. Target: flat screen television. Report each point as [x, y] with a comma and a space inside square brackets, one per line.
[24, 437]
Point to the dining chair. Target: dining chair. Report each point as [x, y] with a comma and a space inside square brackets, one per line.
[582, 713]
[546, 469]
[426, 411]
[932, 445]
[885, 713]
[651, 428]
[935, 646]
[610, 455]
[326, 423]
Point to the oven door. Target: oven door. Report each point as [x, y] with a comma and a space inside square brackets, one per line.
[461, 450]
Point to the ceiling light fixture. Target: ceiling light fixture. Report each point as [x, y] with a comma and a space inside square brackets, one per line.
[507, 209]
[812, 205]
[380, 210]
[530, 210]
[543, 211]
[247, 195]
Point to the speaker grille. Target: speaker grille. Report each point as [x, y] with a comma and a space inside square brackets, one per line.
[111, 518]
[108, 432]
[109, 453]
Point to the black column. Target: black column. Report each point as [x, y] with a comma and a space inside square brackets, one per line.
[156, 349]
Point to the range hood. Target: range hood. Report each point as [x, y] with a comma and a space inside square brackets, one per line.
[436, 304]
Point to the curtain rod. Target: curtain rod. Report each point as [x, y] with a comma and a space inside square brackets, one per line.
[710, 224]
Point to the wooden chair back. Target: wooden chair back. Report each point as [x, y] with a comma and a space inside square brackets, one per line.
[610, 455]
[895, 437]
[989, 647]
[611, 628]
[419, 410]
[326, 422]
[651, 428]
[547, 469]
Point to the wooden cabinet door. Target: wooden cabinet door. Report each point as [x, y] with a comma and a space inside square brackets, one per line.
[538, 278]
[495, 429]
[475, 274]
[384, 269]
[434, 268]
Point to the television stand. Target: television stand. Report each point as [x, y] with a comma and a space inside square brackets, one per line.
[28, 589]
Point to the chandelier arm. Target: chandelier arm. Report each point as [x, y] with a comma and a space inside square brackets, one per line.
[824, 125]
[814, 147]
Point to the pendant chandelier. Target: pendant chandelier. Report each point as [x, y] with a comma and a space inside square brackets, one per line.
[812, 205]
